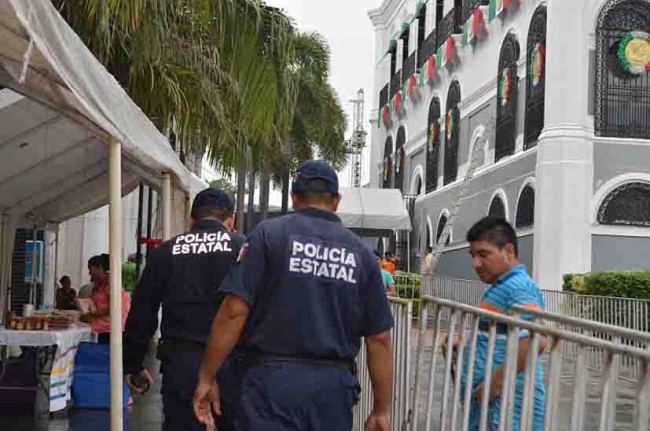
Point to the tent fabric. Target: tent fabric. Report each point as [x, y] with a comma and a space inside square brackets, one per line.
[378, 209]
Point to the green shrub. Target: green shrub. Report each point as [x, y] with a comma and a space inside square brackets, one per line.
[621, 284]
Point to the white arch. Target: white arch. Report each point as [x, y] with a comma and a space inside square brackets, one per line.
[417, 172]
[611, 185]
[530, 181]
[479, 132]
[500, 193]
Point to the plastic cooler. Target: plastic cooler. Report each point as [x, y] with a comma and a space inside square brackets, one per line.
[91, 384]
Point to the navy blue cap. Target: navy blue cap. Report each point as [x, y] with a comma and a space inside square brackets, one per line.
[315, 170]
[213, 198]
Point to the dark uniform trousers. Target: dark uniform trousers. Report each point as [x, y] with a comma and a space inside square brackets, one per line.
[180, 370]
[296, 397]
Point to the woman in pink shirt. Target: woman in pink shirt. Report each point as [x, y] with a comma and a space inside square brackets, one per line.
[99, 319]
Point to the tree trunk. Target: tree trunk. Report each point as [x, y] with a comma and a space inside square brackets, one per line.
[250, 212]
[265, 186]
[241, 193]
[285, 183]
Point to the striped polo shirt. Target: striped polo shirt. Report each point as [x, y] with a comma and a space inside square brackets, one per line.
[515, 287]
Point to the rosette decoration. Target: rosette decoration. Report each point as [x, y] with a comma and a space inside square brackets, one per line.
[634, 52]
[447, 53]
[400, 160]
[537, 64]
[411, 86]
[505, 87]
[385, 115]
[451, 121]
[428, 71]
[397, 102]
[474, 28]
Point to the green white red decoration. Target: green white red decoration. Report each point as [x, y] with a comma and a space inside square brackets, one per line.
[447, 53]
[400, 159]
[411, 86]
[634, 52]
[385, 115]
[433, 136]
[497, 7]
[474, 28]
[505, 86]
[428, 71]
[397, 102]
[450, 123]
[537, 63]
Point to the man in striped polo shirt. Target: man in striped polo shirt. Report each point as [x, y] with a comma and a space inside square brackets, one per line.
[493, 247]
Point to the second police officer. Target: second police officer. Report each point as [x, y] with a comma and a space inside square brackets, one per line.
[304, 292]
[183, 275]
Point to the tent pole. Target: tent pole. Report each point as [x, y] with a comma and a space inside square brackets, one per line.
[167, 207]
[115, 250]
[32, 292]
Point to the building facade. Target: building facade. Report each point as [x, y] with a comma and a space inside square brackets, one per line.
[551, 99]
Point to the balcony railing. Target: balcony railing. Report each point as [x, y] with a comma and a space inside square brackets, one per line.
[449, 25]
[395, 83]
[427, 49]
[409, 67]
[469, 6]
[383, 96]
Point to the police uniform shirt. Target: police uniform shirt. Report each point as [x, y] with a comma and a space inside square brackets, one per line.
[183, 275]
[314, 288]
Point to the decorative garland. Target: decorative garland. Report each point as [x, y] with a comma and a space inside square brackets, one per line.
[634, 52]
[537, 63]
[386, 168]
[447, 52]
[412, 85]
[474, 28]
[433, 136]
[400, 158]
[385, 115]
[450, 124]
[506, 86]
[397, 102]
[497, 7]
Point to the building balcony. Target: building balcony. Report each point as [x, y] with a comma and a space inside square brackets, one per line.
[409, 67]
[427, 49]
[449, 25]
[395, 83]
[383, 96]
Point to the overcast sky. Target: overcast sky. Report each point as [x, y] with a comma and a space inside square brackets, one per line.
[348, 30]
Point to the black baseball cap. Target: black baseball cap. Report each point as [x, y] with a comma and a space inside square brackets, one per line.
[213, 198]
[315, 170]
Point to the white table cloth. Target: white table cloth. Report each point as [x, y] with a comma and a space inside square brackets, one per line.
[67, 342]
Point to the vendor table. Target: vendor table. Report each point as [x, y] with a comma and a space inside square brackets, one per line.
[55, 362]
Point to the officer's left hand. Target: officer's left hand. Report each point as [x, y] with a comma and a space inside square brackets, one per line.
[206, 402]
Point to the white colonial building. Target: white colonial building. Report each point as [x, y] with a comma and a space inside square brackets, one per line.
[566, 84]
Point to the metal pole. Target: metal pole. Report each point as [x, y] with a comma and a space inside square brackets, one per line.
[115, 250]
[149, 217]
[138, 248]
[32, 292]
[167, 207]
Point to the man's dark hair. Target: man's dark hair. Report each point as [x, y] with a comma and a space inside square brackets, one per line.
[211, 212]
[495, 230]
[313, 196]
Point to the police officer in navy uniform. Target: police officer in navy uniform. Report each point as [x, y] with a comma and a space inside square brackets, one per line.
[183, 275]
[304, 292]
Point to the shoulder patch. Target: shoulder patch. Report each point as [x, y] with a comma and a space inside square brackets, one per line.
[242, 252]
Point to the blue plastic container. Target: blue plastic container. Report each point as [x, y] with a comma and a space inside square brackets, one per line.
[92, 382]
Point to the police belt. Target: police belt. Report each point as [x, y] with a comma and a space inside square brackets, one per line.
[258, 358]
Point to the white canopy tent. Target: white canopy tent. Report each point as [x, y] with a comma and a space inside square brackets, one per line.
[71, 140]
[373, 210]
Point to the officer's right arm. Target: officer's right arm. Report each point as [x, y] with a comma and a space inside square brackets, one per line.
[143, 317]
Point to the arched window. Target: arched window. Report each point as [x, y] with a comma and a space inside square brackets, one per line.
[628, 205]
[452, 133]
[526, 208]
[433, 144]
[387, 167]
[399, 158]
[497, 208]
[622, 92]
[536, 81]
[441, 226]
[507, 94]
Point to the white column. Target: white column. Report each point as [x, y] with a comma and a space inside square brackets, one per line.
[167, 207]
[115, 249]
[565, 153]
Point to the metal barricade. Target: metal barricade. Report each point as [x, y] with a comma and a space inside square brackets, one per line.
[576, 398]
[401, 344]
